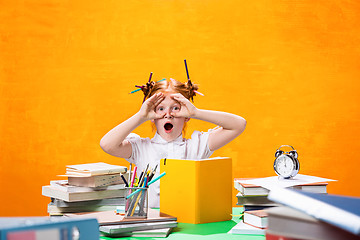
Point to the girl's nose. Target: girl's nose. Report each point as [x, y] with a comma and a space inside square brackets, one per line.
[168, 114]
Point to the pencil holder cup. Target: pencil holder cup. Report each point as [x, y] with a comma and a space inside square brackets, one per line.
[136, 205]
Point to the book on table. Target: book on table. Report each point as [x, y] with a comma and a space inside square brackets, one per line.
[64, 185]
[112, 224]
[340, 211]
[54, 210]
[53, 192]
[98, 202]
[288, 223]
[161, 232]
[256, 218]
[110, 218]
[116, 230]
[97, 180]
[92, 169]
[254, 200]
[190, 184]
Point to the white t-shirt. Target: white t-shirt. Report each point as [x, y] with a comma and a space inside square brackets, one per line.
[150, 151]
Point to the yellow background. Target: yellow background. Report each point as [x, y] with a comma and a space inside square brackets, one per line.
[291, 68]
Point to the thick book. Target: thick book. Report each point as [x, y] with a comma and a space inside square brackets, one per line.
[197, 191]
[247, 189]
[110, 218]
[256, 218]
[92, 169]
[113, 230]
[50, 191]
[288, 223]
[99, 202]
[158, 233]
[54, 210]
[254, 201]
[97, 180]
[16, 228]
[65, 186]
[340, 211]
[243, 228]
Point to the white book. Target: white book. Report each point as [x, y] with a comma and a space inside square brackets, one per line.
[256, 218]
[64, 186]
[98, 202]
[54, 210]
[50, 191]
[130, 227]
[243, 228]
[161, 232]
[92, 169]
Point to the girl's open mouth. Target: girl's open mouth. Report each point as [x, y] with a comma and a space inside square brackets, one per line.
[168, 127]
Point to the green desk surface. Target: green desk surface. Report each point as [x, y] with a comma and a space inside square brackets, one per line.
[209, 231]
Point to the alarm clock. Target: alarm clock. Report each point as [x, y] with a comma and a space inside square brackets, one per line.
[286, 164]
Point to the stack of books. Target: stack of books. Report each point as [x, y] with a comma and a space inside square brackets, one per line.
[253, 197]
[89, 188]
[312, 216]
[156, 224]
[254, 200]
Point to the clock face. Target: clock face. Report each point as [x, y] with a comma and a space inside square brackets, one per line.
[284, 166]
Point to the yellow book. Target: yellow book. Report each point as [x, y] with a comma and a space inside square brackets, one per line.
[197, 191]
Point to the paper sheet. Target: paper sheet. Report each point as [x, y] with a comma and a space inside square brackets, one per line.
[275, 182]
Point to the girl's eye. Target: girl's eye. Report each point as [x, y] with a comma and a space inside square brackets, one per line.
[160, 109]
[176, 108]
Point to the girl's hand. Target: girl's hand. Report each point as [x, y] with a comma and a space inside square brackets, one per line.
[188, 110]
[147, 110]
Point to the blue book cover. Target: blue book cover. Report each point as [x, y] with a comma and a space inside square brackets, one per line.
[55, 228]
[338, 210]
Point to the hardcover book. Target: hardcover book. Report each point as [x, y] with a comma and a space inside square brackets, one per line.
[110, 218]
[197, 191]
[256, 218]
[99, 202]
[97, 180]
[288, 223]
[54, 210]
[161, 232]
[92, 169]
[50, 191]
[113, 230]
[340, 211]
[63, 185]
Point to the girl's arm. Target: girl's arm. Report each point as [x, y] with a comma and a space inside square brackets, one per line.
[231, 125]
[114, 142]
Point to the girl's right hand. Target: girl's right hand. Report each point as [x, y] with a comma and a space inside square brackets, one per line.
[147, 110]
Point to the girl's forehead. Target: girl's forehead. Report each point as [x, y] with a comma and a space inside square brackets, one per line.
[168, 99]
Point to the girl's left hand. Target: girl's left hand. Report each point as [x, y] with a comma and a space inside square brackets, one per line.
[188, 110]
